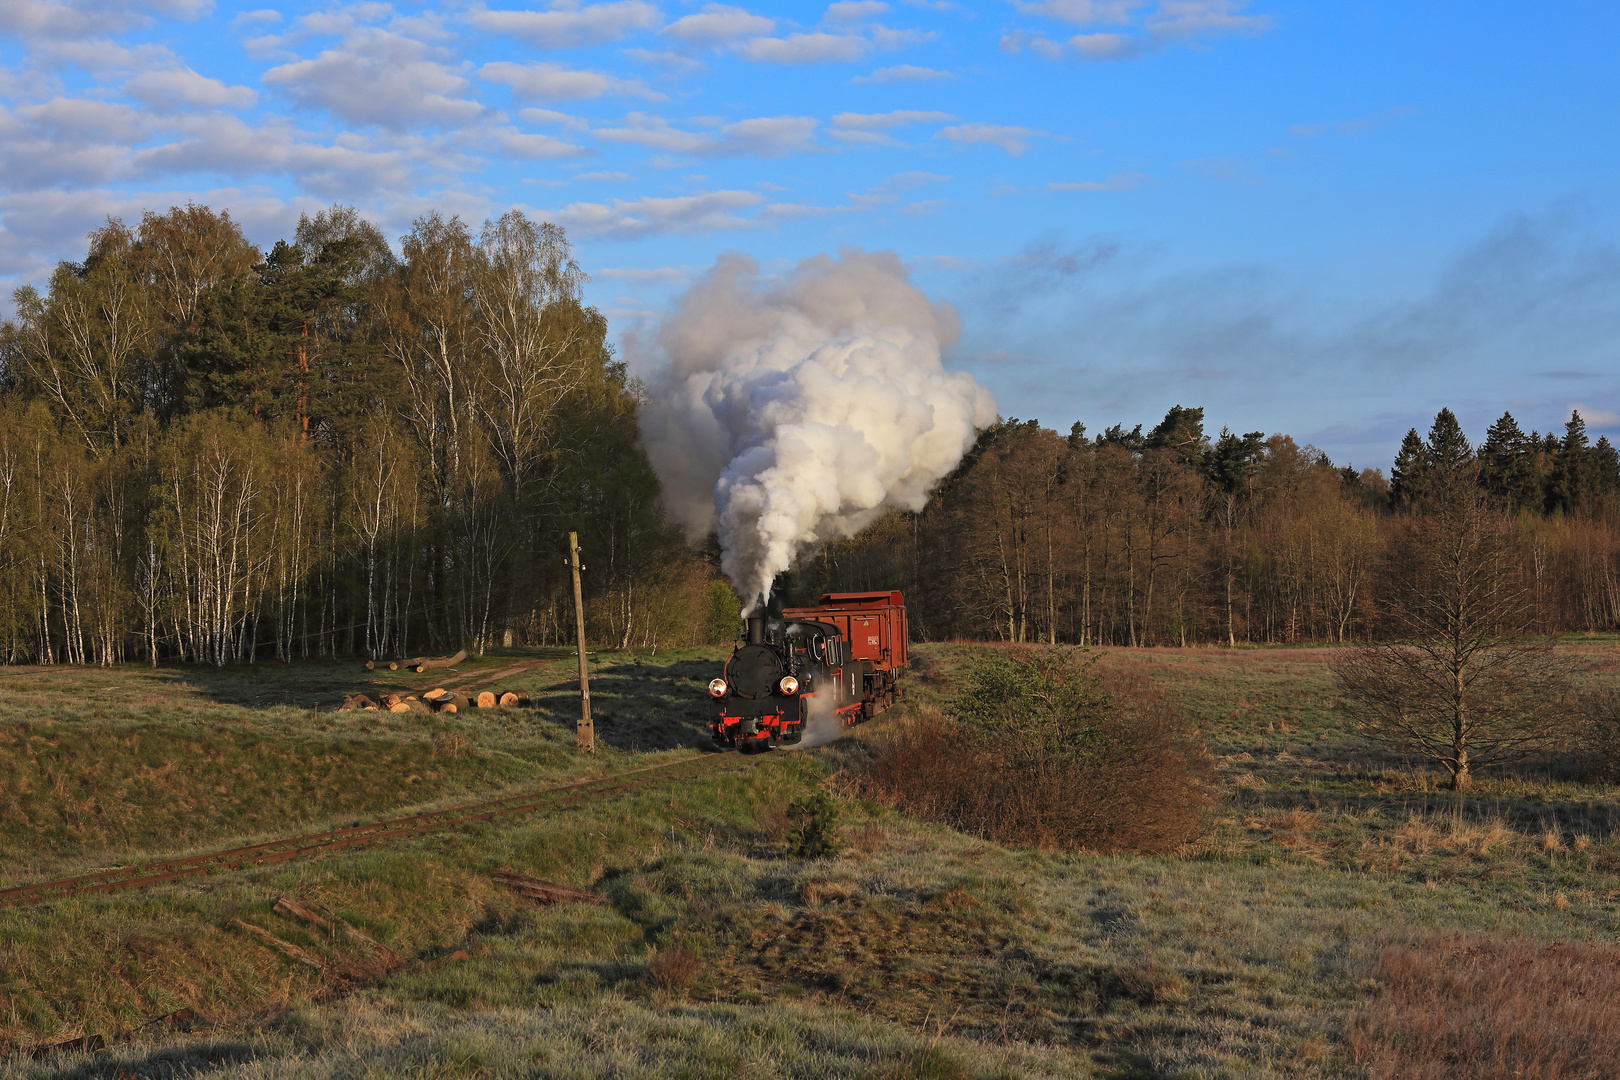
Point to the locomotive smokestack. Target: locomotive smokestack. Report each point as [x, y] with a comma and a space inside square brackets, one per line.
[756, 622]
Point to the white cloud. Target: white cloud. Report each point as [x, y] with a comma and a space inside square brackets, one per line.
[177, 87]
[551, 116]
[1014, 140]
[891, 189]
[868, 128]
[567, 26]
[765, 136]
[884, 121]
[224, 144]
[848, 11]
[789, 211]
[525, 144]
[866, 138]
[903, 73]
[1184, 19]
[1120, 181]
[381, 78]
[559, 83]
[668, 59]
[635, 218]
[616, 177]
[64, 145]
[264, 16]
[805, 49]
[1168, 21]
[718, 23]
[1105, 46]
[36, 19]
[102, 56]
[1082, 12]
[80, 119]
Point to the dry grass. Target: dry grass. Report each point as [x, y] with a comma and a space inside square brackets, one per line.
[674, 971]
[1464, 1007]
[919, 952]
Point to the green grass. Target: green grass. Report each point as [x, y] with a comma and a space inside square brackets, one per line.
[916, 951]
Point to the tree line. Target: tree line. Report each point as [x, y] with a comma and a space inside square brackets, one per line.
[214, 454]
[1173, 537]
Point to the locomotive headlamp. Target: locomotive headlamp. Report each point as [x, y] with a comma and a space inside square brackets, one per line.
[788, 684]
[717, 688]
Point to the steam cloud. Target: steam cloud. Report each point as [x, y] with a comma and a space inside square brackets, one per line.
[801, 407]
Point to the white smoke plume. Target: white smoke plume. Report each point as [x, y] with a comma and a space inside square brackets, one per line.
[796, 408]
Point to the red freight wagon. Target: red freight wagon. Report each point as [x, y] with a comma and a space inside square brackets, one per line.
[874, 624]
[837, 660]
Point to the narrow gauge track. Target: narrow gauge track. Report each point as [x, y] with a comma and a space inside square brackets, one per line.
[310, 844]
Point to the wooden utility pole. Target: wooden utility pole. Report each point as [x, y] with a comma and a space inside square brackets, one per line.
[585, 732]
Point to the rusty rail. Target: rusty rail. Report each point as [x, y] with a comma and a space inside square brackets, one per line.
[310, 844]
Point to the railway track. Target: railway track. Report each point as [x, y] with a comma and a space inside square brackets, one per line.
[311, 844]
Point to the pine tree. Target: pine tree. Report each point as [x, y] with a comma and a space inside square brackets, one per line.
[1507, 471]
[1230, 463]
[1181, 430]
[1448, 446]
[1570, 485]
[1131, 440]
[1605, 469]
[1409, 476]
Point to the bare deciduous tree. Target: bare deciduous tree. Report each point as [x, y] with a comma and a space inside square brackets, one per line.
[1461, 681]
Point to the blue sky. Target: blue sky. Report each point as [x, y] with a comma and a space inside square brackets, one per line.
[1328, 219]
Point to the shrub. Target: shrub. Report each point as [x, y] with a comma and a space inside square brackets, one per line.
[1048, 752]
[1601, 742]
[812, 826]
[1461, 1008]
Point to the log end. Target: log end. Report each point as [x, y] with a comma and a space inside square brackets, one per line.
[486, 700]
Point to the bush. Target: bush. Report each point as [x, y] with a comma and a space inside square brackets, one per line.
[812, 826]
[1047, 752]
[1601, 742]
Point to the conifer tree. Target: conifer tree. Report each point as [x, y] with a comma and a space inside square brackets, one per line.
[1448, 446]
[1571, 483]
[1507, 471]
[1409, 476]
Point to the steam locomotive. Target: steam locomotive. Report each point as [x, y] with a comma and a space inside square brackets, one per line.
[830, 665]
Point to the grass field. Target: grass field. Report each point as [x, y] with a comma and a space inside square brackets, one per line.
[1279, 945]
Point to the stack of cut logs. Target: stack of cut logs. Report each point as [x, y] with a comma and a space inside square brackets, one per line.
[437, 700]
[420, 663]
